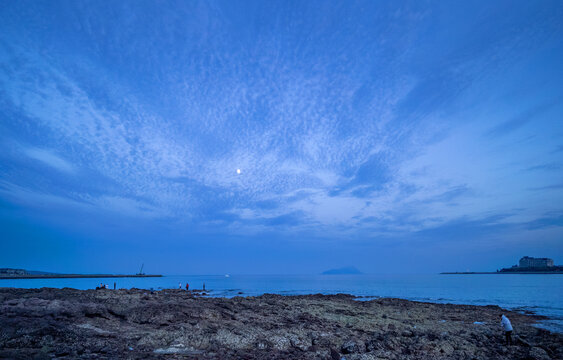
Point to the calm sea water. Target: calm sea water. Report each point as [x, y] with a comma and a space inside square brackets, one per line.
[542, 294]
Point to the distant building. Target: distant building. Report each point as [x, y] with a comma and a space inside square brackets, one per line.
[531, 262]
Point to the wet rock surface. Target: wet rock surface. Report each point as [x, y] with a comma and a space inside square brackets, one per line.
[175, 324]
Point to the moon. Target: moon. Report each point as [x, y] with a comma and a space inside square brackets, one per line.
[238, 171]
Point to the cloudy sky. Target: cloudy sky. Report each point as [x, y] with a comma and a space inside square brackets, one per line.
[394, 136]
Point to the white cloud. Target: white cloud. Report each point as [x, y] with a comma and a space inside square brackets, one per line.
[126, 207]
[296, 135]
[120, 206]
[49, 158]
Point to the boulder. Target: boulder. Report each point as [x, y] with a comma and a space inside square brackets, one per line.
[350, 347]
[334, 355]
[446, 349]
[538, 353]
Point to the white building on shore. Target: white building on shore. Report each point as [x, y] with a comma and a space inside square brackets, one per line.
[531, 262]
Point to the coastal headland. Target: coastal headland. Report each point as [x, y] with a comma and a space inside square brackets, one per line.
[503, 272]
[176, 324]
[526, 265]
[73, 276]
[14, 274]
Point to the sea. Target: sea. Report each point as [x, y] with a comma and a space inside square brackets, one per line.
[537, 293]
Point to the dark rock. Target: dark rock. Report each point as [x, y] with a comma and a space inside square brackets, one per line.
[132, 324]
[373, 345]
[350, 347]
[519, 341]
[538, 353]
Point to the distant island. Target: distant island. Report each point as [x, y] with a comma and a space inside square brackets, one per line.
[347, 270]
[9, 273]
[526, 265]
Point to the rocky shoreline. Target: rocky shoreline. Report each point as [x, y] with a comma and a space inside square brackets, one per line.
[174, 324]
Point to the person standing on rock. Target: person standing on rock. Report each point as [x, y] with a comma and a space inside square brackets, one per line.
[507, 327]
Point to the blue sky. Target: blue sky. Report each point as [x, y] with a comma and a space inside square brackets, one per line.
[393, 136]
